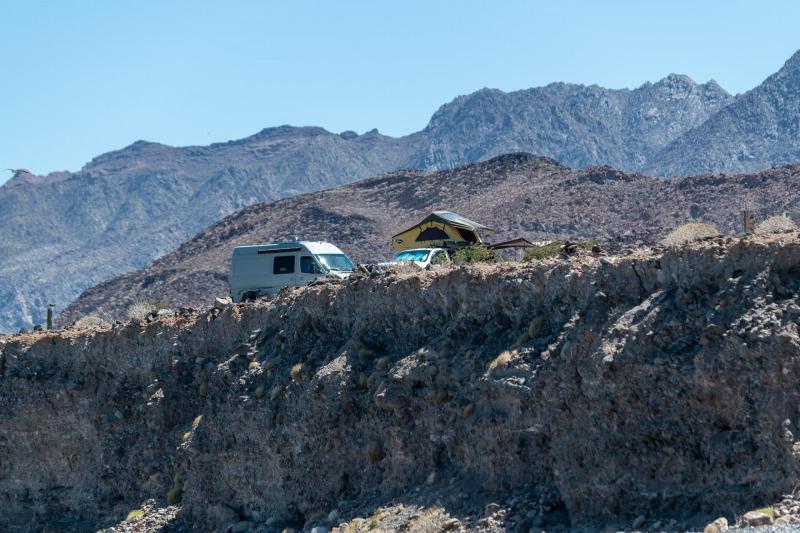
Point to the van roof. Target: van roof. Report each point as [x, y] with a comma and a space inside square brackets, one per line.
[314, 247]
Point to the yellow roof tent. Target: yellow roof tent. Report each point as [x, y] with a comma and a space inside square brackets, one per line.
[440, 228]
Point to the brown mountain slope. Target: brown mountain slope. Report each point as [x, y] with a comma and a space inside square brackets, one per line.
[518, 194]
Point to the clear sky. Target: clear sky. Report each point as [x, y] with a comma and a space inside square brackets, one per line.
[82, 78]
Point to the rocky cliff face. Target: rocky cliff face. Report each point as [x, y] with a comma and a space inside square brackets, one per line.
[579, 391]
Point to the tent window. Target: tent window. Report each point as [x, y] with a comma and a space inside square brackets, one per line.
[467, 235]
[284, 264]
[432, 234]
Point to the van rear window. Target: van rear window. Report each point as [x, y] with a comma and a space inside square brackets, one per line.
[284, 264]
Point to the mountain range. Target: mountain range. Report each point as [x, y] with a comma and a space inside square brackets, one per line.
[65, 232]
[517, 194]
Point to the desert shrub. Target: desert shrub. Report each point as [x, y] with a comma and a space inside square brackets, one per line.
[90, 322]
[134, 514]
[175, 495]
[502, 360]
[297, 372]
[691, 232]
[777, 224]
[440, 259]
[475, 253]
[542, 252]
[139, 310]
[363, 351]
[373, 452]
[432, 520]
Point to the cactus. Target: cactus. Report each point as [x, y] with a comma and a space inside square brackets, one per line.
[50, 316]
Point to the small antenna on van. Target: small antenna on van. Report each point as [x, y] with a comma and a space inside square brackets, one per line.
[295, 238]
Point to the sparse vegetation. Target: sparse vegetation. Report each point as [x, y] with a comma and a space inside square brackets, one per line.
[777, 224]
[440, 259]
[475, 253]
[175, 495]
[432, 520]
[297, 372]
[543, 252]
[373, 452]
[139, 310]
[694, 231]
[134, 514]
[536, 327]
[502, 360]
[364, 352]
[366, 382]
[438, 396]
[91, 322]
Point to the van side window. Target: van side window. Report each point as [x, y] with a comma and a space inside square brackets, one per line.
[284, 264]
[307, 265]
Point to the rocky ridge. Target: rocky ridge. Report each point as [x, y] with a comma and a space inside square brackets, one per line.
[760, 129]
[653, 391]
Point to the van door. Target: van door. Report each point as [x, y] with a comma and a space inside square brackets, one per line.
[284, 271]
[309, 270]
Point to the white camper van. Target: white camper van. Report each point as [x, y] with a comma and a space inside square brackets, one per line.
[262, 270]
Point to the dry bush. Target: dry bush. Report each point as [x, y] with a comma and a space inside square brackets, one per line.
[91, 322]
[695, 231]
[777, 224]
[501, 360]
[297, 372]
[432, 520]
[139, 310]
[373, 452]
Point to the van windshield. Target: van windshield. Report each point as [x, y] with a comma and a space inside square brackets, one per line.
[412, 255]
[336, 262]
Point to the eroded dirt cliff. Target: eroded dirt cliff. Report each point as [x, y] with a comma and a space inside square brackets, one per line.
[658, 387]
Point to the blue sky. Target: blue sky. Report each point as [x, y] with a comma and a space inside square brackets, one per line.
[83, 78]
